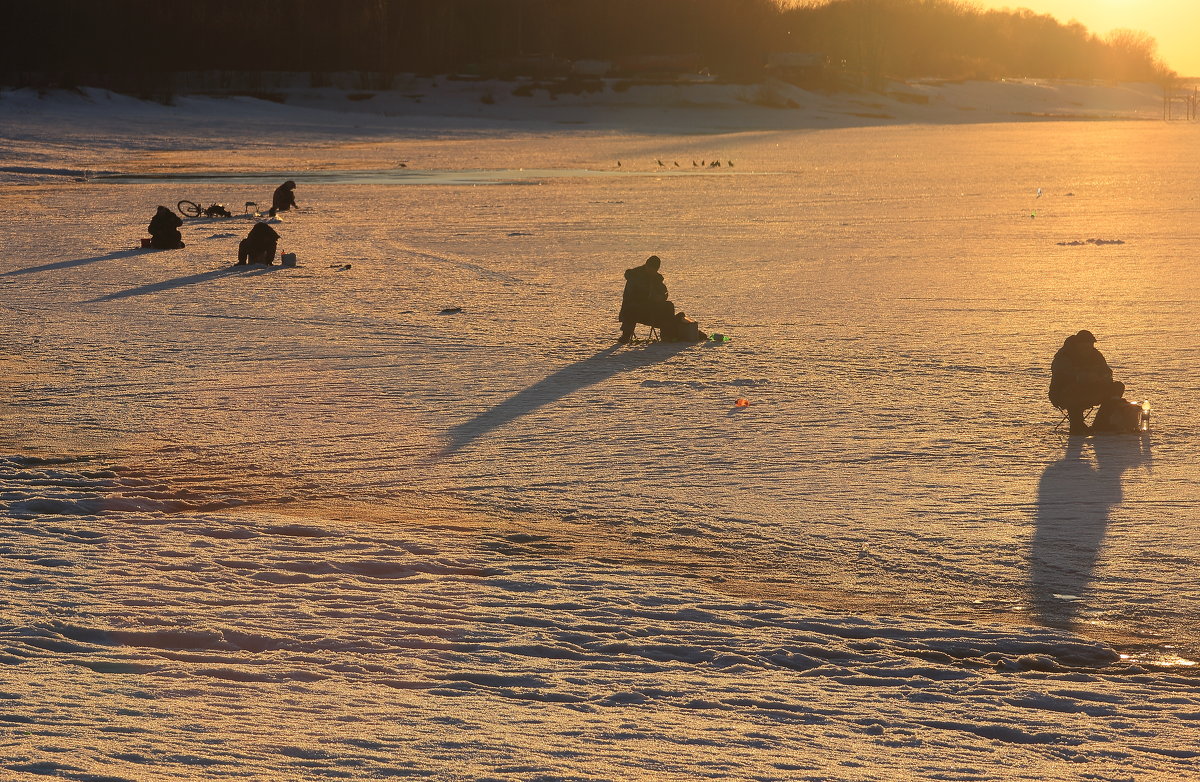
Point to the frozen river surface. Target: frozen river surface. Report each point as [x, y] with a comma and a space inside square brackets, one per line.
[317, 486]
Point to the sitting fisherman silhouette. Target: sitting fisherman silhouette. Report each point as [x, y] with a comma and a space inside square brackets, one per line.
[284, 198]
[1080, 379]
[645, 301]
[164, 230]
[258, 246]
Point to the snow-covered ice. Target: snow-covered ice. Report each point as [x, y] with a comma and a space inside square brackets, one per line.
[319, 522]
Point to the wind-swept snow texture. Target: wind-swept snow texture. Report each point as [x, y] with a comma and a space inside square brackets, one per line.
[407, 510]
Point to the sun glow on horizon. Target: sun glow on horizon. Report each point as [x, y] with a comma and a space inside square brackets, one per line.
[1170, 22]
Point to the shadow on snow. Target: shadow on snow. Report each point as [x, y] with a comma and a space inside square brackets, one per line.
[49, 267]
[1075, 500]
[607, 363]
[180, 282]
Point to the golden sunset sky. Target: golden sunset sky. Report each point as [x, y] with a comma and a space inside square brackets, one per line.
[1175, 24]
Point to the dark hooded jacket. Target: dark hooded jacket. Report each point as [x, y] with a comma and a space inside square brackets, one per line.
[284, 197]
[1079, 376]
[164, 230]
[645, 297]
[262, 237]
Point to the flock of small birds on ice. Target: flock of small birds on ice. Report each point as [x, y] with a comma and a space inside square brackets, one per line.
[701, 164]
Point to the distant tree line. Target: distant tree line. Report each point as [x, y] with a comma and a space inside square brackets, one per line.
[957, 40]
[70, 42]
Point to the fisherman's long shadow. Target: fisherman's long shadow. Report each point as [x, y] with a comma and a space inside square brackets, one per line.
[49, 267]
[1074, 504]
[180, 282]
[607, 363]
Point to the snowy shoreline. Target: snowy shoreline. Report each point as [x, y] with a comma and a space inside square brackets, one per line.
[441, 109]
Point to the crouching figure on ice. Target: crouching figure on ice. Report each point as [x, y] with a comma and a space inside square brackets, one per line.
[258, 246]
[284, 198]
[1081, 379]
[164, 230]
[645, 301]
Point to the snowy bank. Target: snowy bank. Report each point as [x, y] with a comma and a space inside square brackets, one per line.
[96, 129]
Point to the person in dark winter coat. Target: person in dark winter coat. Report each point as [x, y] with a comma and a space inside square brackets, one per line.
[645, 299]
[1080, 378]
[164, 230]
[258, 246]
[284, 197]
